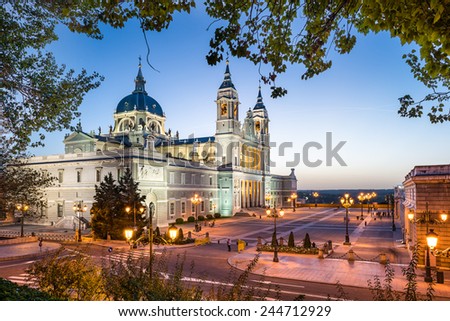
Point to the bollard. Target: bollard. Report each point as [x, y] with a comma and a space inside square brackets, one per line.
[351, 255]
[383, 258]
[320, 256]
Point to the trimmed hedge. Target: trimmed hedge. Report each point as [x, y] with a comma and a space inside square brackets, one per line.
[179, 220]
[217, 215]
[287, 249]
[191, 219]
[201, 218]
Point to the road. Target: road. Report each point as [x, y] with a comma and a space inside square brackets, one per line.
[211, 261]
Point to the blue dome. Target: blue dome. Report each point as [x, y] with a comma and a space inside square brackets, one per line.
[142, 101]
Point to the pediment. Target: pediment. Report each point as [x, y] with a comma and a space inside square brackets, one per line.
[78, 137]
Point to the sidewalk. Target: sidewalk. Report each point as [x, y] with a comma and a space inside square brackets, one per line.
[330, 271]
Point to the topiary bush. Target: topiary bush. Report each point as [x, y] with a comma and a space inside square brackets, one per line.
[191, 219]
[217, 215]
[201, 218]
[209, 217]
[307, 242]
[291, 241]
[179, 220]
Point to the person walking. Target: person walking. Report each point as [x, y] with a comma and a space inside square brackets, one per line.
[229, 245]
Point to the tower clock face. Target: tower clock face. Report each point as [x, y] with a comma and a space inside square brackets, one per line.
[258, 126]
[223, 109]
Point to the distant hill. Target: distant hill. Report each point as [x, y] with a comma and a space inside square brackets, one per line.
[332, 196]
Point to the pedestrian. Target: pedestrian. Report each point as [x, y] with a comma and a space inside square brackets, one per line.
[229, 245]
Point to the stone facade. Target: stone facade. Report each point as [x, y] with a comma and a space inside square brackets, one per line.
[427, 195]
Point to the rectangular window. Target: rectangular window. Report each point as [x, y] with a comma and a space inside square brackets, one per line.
[60, 176]
[60, 210]
[78, 175]
[183, 207]
[211, 206]
[202, 206]
[172, 208]
[193, 179]
[183, 178]
[210, 180]
[171, 178]
[192, 208]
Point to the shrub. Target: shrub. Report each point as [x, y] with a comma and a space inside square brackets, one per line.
[291, 241]
[191, 219]
[179, 220]
[217, 215]
[209, 217]
[307, 242]
[201, 218]
[180, 235]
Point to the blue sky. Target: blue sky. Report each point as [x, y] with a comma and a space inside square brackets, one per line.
[356, 100]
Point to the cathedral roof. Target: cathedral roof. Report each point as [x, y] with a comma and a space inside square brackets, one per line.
[259, 101]
[227, 83]
[139, 99]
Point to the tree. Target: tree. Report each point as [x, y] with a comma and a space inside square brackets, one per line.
[25, 187]
[131, 198]
[107, 212]
[291, 242]
[37, 94]
[272, 33]
[109, 216]
[279, 33]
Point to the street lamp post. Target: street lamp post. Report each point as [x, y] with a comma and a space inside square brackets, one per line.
[128, 236]
[267, 198]
[315, 195]
[273, 213]
[196, 200]
[128, 210]
[431, 236]
[151, 211]
[79, 208]
[346, 201]
[23, 208]
[361, 198]
[389, 199]
[173, 231]
[369, 196]
[293, 198]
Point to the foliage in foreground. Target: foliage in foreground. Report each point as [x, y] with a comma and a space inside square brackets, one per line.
[383, 291]
[78, 278]
[10, 291]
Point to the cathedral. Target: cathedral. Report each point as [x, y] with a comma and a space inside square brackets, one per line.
[229, 170]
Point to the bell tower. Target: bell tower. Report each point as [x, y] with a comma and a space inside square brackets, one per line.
[227, 106]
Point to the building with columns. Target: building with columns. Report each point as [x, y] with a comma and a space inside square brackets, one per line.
[425, 202]
[229, 170]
